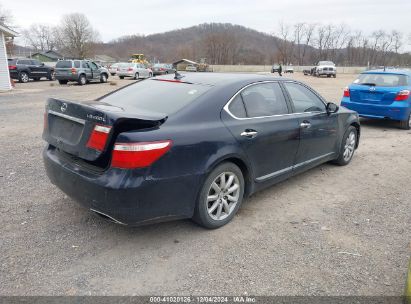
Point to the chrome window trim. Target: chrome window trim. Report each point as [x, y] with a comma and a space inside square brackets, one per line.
[79, 120]
[296, 166]
[226, 107]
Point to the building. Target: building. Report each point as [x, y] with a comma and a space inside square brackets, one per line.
[47, 56]
[183, 63]
[104, 60]
[5, 82]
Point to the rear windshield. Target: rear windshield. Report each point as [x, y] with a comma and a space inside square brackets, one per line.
[63, 64]
[11, 61]
[156, 96]
[382, 80]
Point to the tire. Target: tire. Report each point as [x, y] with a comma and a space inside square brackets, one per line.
[347, 144]
[103, 78]
[406, 124]
[121, 77]
[166, 72]
[335, 76]
[23, 77]
[136, 76]
[214, 213]
[51, 76]
[82, 80]
[63, 81]
[112, 74]
[328, 76]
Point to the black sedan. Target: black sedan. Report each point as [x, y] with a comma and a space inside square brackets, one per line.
[191, 146]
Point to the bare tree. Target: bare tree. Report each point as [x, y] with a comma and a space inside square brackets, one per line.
[285, 44]
[6, 18]
[76, 35]
[41, 37]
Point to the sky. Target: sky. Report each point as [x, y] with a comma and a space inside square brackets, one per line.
[126, 17]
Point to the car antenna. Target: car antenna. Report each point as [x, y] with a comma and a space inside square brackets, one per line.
[178, 76]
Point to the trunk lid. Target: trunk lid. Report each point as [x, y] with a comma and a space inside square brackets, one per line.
[377, 95]
[69, 125]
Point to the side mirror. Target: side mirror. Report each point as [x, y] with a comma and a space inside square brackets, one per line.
[331, 108]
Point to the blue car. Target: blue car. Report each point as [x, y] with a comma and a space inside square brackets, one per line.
[381, 94]
[191, 146]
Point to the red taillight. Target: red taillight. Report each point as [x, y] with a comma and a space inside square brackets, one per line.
[98, 137]
[12, 67]
[347, 92]
[402, 95]
[129, 69]
[162, 69]
[138, 155]
[73, 70]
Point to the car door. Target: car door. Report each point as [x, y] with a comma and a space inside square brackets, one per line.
[95, 70]
[259, 118]
[85, 66]
[318, 129]
[38, 68]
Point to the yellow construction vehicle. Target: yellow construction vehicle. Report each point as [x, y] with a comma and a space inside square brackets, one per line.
[139, 58]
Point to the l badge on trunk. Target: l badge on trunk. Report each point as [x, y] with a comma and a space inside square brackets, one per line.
[63, 107]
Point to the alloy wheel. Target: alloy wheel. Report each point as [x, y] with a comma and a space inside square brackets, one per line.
[24, 77]
[349, 146]
[223, 196]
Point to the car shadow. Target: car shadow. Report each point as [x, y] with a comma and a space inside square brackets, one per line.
[379, 123]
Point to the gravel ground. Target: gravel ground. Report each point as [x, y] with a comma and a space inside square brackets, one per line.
[330, 231]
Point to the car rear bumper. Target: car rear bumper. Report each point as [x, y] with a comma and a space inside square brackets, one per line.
[396, 111]
[125, 74]
[14, 74]
[69, 77]
[128, 197]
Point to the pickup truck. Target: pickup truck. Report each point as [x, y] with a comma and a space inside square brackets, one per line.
[326, 68]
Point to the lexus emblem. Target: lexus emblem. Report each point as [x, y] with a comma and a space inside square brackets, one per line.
[372, 89]
[63, 107]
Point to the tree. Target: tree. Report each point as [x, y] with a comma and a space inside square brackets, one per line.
[41, 37]
[76, 35]
[6, 18]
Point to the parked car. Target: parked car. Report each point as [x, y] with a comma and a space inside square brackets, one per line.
[162, 69]
[191, 146]
[326, 68]
[113, 69]
[26, 69]
[381, 94]
[81, 71]
[191, 68]
[289, 69]
[135, 70]
[275, 68]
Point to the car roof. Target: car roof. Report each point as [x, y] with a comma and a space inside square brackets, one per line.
[220, 79]
[389, 71]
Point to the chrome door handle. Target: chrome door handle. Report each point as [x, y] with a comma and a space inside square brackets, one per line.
[249, 133]
[305, 125]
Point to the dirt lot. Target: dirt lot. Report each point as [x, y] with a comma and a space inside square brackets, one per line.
[330, 231]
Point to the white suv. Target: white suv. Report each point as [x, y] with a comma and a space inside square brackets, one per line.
[325, 68]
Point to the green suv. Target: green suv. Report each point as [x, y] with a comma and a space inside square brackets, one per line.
[81, 71]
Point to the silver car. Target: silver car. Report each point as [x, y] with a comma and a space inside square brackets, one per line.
[135, 70]
[113, 69]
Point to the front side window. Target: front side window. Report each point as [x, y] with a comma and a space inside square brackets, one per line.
[264, 99]
[304, 100]
[77, 64]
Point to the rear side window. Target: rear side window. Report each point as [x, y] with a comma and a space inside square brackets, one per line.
[63, 64]
[382, 80]
[27, 62]
[265, 99]
[156, 96]
[237, 108]
[304, 100]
